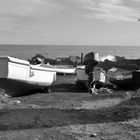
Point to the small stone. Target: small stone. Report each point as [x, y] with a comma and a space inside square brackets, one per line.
[93, 135]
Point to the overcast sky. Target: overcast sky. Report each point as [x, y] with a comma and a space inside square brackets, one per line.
[70, 22]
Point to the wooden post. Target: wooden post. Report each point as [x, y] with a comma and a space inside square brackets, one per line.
[81, 58]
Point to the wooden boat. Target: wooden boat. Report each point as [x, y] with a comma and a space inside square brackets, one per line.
[89, 72]
[18, 77]
[82, 78]
[124, 78]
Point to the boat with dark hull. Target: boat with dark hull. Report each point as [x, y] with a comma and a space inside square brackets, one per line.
[124, 78]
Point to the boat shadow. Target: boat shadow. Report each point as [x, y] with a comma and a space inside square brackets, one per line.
[67, 87]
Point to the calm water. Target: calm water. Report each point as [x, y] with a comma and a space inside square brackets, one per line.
[27, 51]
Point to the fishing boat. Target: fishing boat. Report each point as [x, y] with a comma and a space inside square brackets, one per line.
[18, 77]
[82, 78]
[88, 72]
[124, 78]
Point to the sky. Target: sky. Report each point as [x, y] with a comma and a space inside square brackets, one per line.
[70, 22]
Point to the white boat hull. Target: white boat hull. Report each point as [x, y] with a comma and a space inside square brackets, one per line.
[19, 77]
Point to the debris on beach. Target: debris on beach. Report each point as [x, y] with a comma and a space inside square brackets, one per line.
[102, 90]
[94, 90]
[105, 90]
[14, 102]
[6, 100]
[94, 135]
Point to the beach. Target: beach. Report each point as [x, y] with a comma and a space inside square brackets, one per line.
[69, 113]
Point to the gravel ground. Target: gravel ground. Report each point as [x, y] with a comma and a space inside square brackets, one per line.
[67, 113]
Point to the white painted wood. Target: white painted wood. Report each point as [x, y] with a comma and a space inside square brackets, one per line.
[20, 70]
[66, 70]
[80, 73]
[42, 75]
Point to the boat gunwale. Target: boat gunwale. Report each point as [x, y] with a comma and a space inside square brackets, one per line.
[40, 68]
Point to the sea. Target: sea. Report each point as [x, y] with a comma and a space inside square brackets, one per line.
[28, 51]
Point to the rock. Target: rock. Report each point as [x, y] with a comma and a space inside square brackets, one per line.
[93, 135]
[14, 102]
